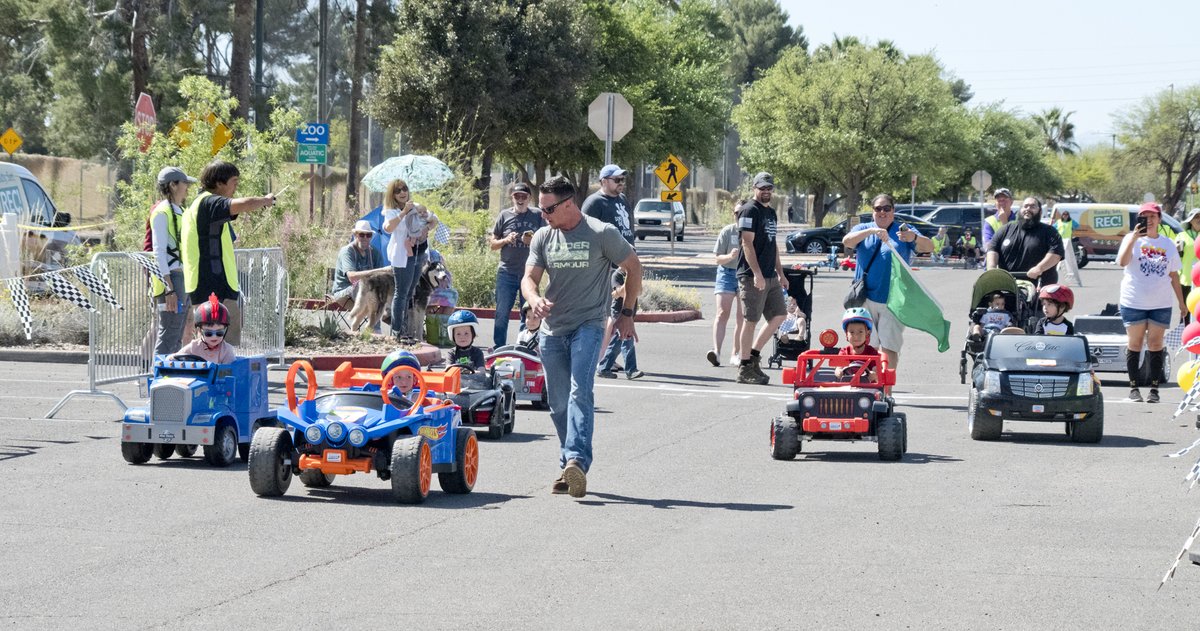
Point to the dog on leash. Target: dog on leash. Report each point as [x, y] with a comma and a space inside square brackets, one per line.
[373, 299]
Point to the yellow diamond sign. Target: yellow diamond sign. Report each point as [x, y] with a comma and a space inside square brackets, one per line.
[11, 141]
[671, 196]
[221, 134]
[671, 172]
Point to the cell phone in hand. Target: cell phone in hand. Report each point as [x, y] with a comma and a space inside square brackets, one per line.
[1142, 223]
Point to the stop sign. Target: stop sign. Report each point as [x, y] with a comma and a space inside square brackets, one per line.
[622, 115]
[145, 120]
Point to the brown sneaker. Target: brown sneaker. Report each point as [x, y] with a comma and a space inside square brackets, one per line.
[576, 479]
[746, 374]
[762, 378]
[560, 485]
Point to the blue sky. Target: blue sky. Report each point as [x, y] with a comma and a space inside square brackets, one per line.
[1033, 55]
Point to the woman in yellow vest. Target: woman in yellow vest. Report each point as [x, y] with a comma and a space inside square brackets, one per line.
[1186, 241]
[209, 266]
[1065, 227]
[163, 226]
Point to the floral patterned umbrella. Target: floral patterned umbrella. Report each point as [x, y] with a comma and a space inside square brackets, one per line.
[422, 173]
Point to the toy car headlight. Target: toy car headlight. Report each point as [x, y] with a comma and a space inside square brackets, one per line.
[313, 435]
[864, 403]
[358, 437]
[991, 381]
[1086, 385]
[808, 402]
[336, 432]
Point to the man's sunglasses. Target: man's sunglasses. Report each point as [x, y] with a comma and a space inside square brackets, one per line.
[549, 210]
[618, 180]
[766, 188]
[884, 209]
[213, 333]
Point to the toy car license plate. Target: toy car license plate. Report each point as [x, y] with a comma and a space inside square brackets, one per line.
[835, 426]
[1039, 408]
[333, 456]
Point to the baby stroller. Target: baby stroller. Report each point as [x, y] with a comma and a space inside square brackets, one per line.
[1020, 299]
[789, 346]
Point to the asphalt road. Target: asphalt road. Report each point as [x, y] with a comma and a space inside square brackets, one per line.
[688, 522]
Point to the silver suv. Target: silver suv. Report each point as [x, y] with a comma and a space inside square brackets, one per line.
[651, 216]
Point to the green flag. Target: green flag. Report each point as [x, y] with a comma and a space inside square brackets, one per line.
[914, 307]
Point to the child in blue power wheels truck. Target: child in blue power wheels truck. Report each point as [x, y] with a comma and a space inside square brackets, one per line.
[857, 325]
[212, 322]
[463, 328]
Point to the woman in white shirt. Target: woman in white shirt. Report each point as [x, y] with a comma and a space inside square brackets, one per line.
[397, 206]
[1149, 288]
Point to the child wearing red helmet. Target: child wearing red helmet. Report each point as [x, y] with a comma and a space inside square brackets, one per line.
[212, 322]
[1057, 300]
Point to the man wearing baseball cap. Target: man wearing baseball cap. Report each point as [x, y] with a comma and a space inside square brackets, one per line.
[993, 224]
[608, 205]
[511, 235]
[355, 260]
[760, 281]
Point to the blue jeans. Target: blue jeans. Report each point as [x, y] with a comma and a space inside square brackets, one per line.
[570, 365]
[628, 353]
[401, 298]
[508, 292]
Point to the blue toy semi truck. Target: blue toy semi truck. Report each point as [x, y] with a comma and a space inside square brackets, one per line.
[195, 403]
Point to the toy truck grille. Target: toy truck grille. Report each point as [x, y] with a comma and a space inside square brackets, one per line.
[170, 403]
[1039, 386]
[837, 407]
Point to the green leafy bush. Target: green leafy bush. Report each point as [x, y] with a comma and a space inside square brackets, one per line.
[474, 271]
[663, 295]
[54, 322]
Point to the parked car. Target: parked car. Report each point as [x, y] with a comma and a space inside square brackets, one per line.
[958, 215]
[916, 210]
[653, 216]
[820, 240]
[41, 238]
[1101, 227]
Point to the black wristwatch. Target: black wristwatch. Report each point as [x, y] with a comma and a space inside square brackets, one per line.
[627, 312]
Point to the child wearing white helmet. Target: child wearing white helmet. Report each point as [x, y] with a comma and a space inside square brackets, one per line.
[857, 325]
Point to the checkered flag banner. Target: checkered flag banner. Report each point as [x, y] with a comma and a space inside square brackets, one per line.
[1174, 337]
[96, 286]
[69, 292]
[442, 234]
[1187, 545]
[147, 262]
[16, 289]
[1187, 399]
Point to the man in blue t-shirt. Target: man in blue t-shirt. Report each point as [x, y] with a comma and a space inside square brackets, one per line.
[875, 261]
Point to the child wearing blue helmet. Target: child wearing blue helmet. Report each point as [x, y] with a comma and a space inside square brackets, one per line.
[404, 382]
[463, 327]
[857, 325]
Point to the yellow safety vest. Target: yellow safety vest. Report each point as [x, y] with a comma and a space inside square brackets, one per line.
[1187, 238]
[189, 249]
[995, 224]
[939, 244]
[157, 288]
[1065, 230]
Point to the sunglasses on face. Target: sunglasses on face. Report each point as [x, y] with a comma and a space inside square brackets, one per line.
[766, 188]
[213, 333]
[402, 190]
[884, 209]
[520, 195]
[549, 210]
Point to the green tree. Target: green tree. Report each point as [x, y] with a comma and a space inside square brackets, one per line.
[1164, 130]
[1058, 132]
[760, 34]
[24, 77]
[856, 118]
[1010, 149]
[1085, 174]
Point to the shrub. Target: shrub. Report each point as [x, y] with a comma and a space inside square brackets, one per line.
[663, 295]
[54, 322]
[474, 271]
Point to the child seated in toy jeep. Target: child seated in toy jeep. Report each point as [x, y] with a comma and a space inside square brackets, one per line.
[857, 325]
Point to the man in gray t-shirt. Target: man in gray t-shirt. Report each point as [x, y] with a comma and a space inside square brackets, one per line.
[577, 252]
[608, 203]
[511, 235]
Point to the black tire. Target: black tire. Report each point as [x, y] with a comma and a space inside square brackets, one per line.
[641, 237]
[1089, 430]
[185, 451]
[466, 461]
[224, 449]
[1081, 257]
[497, 420]
[316, 479]
[785, 438]
[162, 451]
[903, 423]
[270, 461]
[981, 427]
[511, 414]
[137, 453]
[890, 438]
[410, 480]
[816, 246]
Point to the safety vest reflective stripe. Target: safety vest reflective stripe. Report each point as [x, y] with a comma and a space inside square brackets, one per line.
[190, 248]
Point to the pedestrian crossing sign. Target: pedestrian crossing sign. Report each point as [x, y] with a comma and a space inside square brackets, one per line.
[671, 172]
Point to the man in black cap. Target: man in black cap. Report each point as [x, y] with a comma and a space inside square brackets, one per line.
[1004, 213]
[760, 281]
[511, 235]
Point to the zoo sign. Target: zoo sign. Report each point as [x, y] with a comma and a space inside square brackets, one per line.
[313, 134]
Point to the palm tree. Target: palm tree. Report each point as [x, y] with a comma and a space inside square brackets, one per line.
[1057, 130]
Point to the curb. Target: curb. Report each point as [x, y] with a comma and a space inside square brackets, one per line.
[427, 354]
[44, 356]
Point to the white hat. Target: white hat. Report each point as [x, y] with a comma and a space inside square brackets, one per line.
[364, 226]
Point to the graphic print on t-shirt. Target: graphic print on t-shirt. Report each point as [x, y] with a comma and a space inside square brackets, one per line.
[769, 228]
[1152, 260]
[569, 254]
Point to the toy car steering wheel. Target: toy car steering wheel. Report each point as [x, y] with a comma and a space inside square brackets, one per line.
[290, 383]
[420, 384]
[465, 368]
[187, 357]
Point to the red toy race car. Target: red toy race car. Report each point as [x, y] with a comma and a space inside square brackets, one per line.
[855, 407]
[524, 369]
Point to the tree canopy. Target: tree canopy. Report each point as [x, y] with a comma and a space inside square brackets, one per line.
[1164, 130]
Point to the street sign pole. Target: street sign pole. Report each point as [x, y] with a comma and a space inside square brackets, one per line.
[914, 193]
[608, 137]
[312, 168]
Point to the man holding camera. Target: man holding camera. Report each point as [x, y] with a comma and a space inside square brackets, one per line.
[511, 235]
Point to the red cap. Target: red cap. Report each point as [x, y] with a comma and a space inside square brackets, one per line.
[1150, 207]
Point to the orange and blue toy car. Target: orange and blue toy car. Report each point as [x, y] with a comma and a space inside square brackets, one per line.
[839, 398]
[368, 425]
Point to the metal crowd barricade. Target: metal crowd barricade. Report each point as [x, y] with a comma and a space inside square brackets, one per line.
[121, 341]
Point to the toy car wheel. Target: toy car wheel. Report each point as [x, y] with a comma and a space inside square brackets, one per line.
[904, 433]
[981, 427]
[466, 458]
[270, 464]
[224, 449]
[890, 438]
[185, 451]
[497, 420]
[1088, 430]
[510, 414]
[137, 453]
[316, 479]
[785, 438]
[163, 451]
[412, 469]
